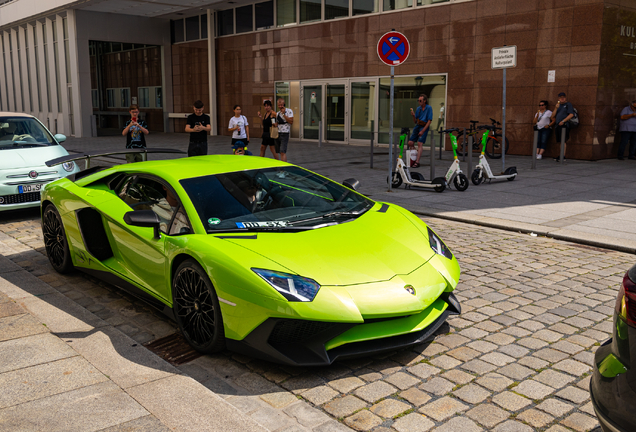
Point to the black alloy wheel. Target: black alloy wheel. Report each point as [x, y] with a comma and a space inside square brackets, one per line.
[461, 182]
[55, 242]
[476, 177]
[196, 308]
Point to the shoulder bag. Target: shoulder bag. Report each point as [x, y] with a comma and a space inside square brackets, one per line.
[273, 130]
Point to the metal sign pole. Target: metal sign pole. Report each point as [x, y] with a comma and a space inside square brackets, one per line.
[391, 131]
[432, 161]
[464, 146]
[503, 126]
[470, 154]
[535, 142]
[371, 154]
[320, 133]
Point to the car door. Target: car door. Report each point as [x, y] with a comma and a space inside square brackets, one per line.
[138, 251]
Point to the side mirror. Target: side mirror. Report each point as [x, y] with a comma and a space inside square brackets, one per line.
[60, 137]
[144, 219]
[351, 183]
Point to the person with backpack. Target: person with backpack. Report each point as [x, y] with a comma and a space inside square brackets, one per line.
[563, 112]
[628, 131]
[239, 126]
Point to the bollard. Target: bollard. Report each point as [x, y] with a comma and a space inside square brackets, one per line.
[534, 149]
[432, 161]
[464, 146]
[372, 135]
[562, 155]
[395, 149]
[320, 133]
[470, 156]
[441, 144]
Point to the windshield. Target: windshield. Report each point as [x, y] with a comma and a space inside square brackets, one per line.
[274, 198]
[21, 132]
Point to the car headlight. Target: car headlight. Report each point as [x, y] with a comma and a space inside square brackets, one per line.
[292, 287]
[68, 166]
[438, 245]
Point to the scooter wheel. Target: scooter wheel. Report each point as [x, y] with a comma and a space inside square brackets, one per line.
[440, 183]
[476, 177]
[509, 171]
[397, 180]
[417, 176]
[461, 182]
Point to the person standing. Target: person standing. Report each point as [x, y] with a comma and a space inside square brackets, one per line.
[135, 132]
[284, 119]
[628, 131]
[422, 117]
[269, 121]
[563, 112]
[541, 123]
[198, 125]
[239, 126]
[440, 120]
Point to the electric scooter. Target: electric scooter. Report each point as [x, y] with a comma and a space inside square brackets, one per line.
[403, 173]
[454, 174]
[482, 170]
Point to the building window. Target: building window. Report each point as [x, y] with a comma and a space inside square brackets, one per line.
[225, 22]
[285, 12]
[124, 95]
[95, 98]
[361, 7]
[118, 98]
[428, 2]
[192, 28]
[310, 10]
[336, 9]
[177, 31]
[244, 19]
[204, 26]
[149, 97]
[264, 13]
[389, 5]
[111, 101]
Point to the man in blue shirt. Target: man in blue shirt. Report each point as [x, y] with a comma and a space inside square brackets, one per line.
[422, 117]
[628, 131]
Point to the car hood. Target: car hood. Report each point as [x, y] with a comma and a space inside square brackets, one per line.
[29, 157]
[374, 247]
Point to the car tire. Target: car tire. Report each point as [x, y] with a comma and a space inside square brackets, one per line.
[55, 241]
[196, 308]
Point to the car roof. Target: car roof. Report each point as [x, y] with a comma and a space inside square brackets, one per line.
[175, 170]
[14, 114]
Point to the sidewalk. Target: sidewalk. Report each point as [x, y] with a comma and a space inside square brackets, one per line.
[592, 203]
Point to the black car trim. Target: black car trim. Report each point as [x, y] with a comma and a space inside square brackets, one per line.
[248, 237]
[384, 208]
[91, 226]
[602, 418]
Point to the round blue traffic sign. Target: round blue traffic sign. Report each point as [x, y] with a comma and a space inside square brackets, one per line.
[393, 48]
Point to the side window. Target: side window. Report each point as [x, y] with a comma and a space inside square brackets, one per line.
[180, 223]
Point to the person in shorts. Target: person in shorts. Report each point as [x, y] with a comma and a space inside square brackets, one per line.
[284, 119]
[135, 132]
[198, 125]
[422, 117]
[239, 126]
[563, 112]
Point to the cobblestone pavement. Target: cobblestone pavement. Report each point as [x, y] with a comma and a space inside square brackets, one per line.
[517, 358]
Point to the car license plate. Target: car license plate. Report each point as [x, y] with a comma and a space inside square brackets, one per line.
[30, 188]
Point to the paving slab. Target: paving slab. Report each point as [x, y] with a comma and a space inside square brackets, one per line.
[32, 350]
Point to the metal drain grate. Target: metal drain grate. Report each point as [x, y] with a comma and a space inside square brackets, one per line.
[174, 349]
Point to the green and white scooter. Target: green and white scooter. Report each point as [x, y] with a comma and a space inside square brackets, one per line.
[482, 171]
[402, 173]
[454, 174]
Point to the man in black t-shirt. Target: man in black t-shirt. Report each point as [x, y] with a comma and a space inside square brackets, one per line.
[135, 132]
[198, 125]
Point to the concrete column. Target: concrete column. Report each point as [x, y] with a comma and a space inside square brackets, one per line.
[212, 72]
[52, 84]
[41, 64]
[7, 61]
[25, 77]
[61, 65]
[77, 100]
[35, 108]
[19, 97]
[4, 92]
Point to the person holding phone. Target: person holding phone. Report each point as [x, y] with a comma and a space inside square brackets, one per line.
[135, 132]
[239, 126]
[198, 125]
[422, 117]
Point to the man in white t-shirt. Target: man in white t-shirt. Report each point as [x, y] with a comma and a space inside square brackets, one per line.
[541, 123]
[440, 120]
[284, 118]
[239, 126]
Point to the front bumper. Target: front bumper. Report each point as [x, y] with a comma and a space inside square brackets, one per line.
[317, 343]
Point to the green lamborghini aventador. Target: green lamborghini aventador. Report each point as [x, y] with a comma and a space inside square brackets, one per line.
[256, 255]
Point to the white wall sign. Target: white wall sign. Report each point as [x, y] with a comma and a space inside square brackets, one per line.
[504, 57]
[551, 75]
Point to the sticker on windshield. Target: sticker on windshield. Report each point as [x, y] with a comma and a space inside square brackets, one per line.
[214, 221]
[269, 224]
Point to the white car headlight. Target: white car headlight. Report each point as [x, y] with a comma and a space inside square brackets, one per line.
[294, 288]
[68, 166]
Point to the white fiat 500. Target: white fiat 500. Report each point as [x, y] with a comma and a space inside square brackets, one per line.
[25, 145]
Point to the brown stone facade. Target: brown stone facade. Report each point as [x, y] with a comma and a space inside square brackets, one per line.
[189, 78]
[579, 40]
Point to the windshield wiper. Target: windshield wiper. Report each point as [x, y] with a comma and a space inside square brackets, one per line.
[332, 214]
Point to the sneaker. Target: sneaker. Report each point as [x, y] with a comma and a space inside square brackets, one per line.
[558, 159]
[539, 156]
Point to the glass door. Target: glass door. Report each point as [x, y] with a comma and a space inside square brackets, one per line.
[312, 110]
[336, 111]
[362, 109]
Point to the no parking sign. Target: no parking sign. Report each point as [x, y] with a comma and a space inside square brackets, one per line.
[393, 48]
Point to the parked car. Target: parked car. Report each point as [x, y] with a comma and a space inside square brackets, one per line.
[613, 385]
[256, 255]
[25, 145]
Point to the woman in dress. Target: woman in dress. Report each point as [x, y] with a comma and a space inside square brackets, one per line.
[269, 120]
